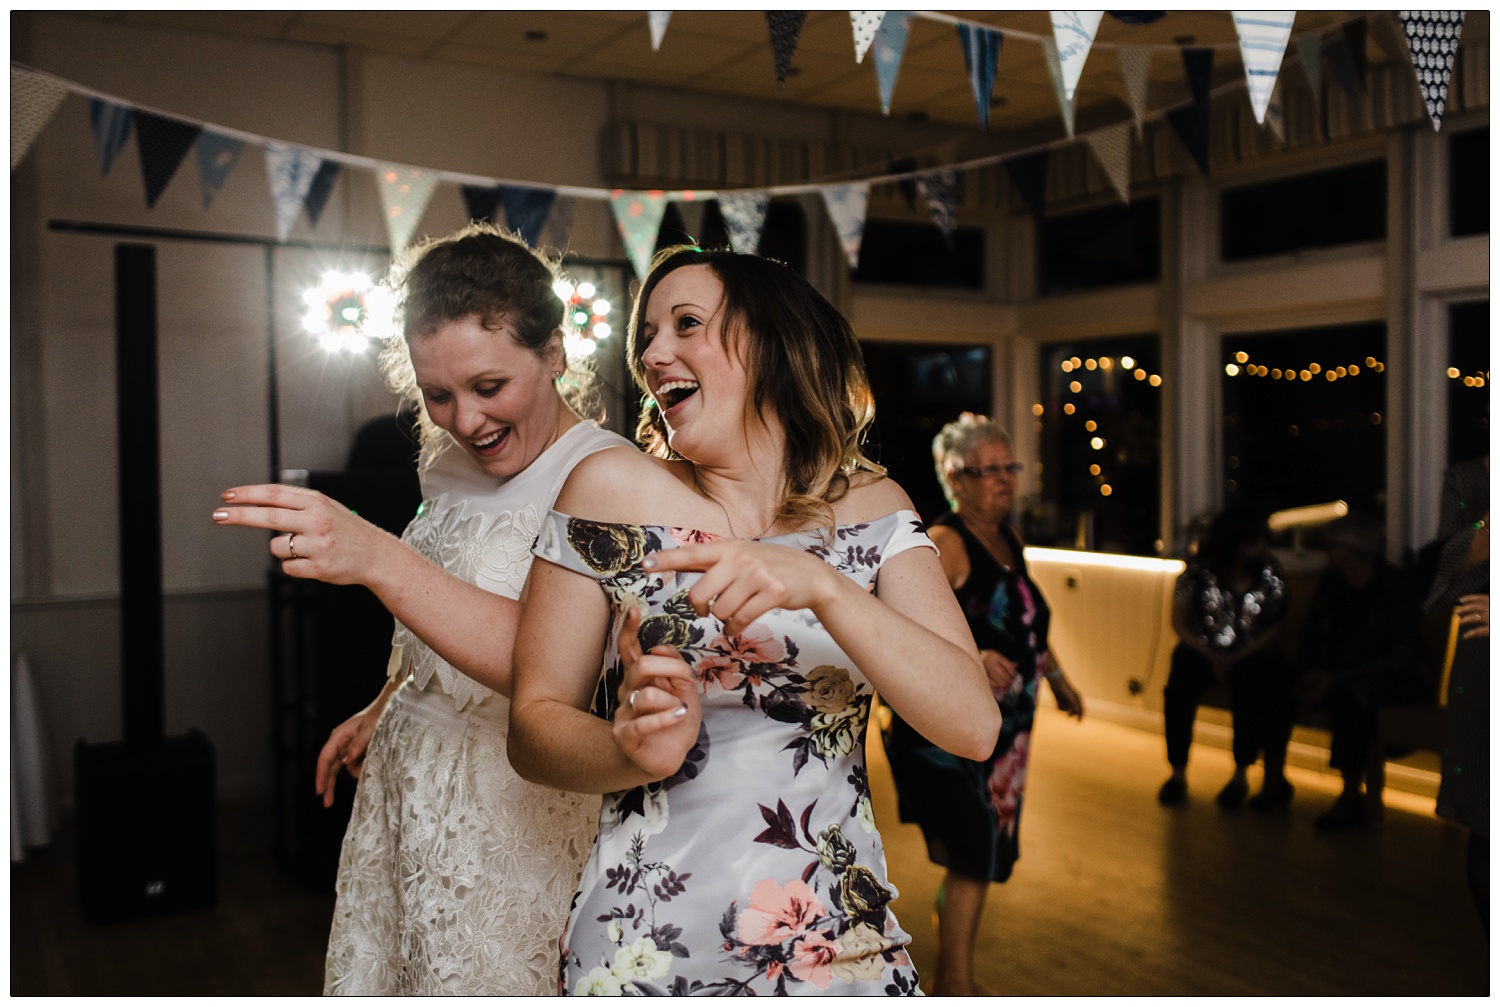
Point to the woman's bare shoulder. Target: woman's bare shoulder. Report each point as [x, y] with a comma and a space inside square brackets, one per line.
[615, 485]
[870, 497]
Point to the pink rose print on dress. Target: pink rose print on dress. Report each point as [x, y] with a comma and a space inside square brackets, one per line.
[812, 959]
[779, 913]
[691, 536]
[1007, 782]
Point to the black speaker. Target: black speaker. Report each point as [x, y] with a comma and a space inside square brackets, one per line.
[146, 835]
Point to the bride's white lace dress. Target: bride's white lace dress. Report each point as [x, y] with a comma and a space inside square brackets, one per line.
[456, 874]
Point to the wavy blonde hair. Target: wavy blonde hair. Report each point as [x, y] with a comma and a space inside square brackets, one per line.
[802, 363]
[954, 442]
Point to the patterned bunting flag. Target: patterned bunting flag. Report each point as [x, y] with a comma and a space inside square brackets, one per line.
[162, 144]
[1276, 114]
[1355, 33]
[1341, 64]
[1432, 36]
[744, 216]
[785, 27]
[692, 210]
[559, 229]
[1054, 68]
[1310, 55]
[217, 156]
[33, 101]
[638, 216]
[321, 188]
[940, 191]
[1028, 173]
[1263, 37]
[658, 19]
[865, 24]
[526, 210]
[1073, 31]
[1191, 121]
[112, 124]
[908, 186]
[481, 201]
[1111, 147]
[981, 53]
[1137, 16]
[846, 208]
[404, 193]
[1135, 69]
[291, 171]
[889, 45]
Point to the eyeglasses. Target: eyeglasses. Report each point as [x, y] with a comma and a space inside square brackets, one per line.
[993, 471]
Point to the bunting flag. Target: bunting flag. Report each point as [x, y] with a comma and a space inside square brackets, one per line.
[1191, 121]
[291, 171]
[1276, 114]
[112, 124]
[33, 101]
[162, 144]
[404, 193]
[481, 201]
[785, 27]
[638, 216]
[744, 216]
[1341, 64]
[981, 54]
[320, 190]
[1073, 31]
[1355, 33]
[217, 156]
[1111, 147]
[1263, 38]
[1134, 17]
[658, 20]
[908, 186]
[693, 211]
[889, 44]
[1028, 173]
[526, 210]
[1432, 36]
[1054, 68]
[847, 205]
[1135, 70]
[1310, 53]
[940, 190]
[559, 227]
[865, 24]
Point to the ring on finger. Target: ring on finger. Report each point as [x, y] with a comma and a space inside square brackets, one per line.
[291, 538]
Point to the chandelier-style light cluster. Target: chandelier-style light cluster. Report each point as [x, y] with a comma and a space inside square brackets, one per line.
[585, 318]
[340, 309]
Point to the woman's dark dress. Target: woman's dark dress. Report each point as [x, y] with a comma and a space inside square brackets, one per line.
[970, 811]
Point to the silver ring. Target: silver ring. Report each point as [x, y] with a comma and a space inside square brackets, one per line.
[711, 602]
[290, 538]
[631, 700]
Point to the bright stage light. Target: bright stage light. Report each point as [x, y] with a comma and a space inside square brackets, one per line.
[339, 311]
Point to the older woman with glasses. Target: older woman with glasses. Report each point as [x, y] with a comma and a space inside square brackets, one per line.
[969, 811]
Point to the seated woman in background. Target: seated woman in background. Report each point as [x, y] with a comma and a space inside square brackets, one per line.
[747, 587]
[1227, 611]
[455, 873]
[970, 811]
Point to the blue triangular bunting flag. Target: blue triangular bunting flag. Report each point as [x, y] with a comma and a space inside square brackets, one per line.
[638, 217]
[785, 27]
[1074, 31]
[888, 47]
[658, 20]
[1263, 37]
[847, 205]
[162, 144]
[940, 191]
[1133, 17]
[526, 210]
[1028, 174]
[1191, 122]
[482, 201]
[112, 124]
[1310, 55]
[321, 188]
[744, 216]
[291, 171]
[217, 156]
[981, 54]
[1341, 64]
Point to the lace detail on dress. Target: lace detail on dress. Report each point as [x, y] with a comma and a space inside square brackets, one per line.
[474, 897]
[497, 558]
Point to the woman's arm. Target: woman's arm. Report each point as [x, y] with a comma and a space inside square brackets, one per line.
[471, 628]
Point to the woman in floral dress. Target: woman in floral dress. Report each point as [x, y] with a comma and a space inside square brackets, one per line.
[970, 812]
[746, 587]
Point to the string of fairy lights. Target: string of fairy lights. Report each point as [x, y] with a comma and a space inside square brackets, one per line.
[1126, 366]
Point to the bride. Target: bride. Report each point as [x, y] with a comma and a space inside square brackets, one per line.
[455, 873]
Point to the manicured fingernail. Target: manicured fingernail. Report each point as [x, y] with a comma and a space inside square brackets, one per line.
[221, 515]
[649, 563]
[680, 712]
[227, 495]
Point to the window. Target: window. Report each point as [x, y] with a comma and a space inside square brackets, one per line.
[1100, 248]
[1325, 210]
[919, 387]
[1304, 418]
[1469, 183]
[918, 255]
[1098, 480]
[1468, 380]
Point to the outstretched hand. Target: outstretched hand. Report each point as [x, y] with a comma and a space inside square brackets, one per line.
[742, 581]
[658, 713]
[323, 540]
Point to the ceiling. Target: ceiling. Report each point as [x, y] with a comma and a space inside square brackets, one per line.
[729, 53]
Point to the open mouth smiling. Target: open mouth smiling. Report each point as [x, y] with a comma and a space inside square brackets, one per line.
[492, 443]
[673, 393]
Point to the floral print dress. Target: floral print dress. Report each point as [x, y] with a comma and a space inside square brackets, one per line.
[757, 868]
[970, 812]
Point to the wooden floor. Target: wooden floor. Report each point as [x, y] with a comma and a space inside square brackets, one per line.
[1114, 895]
